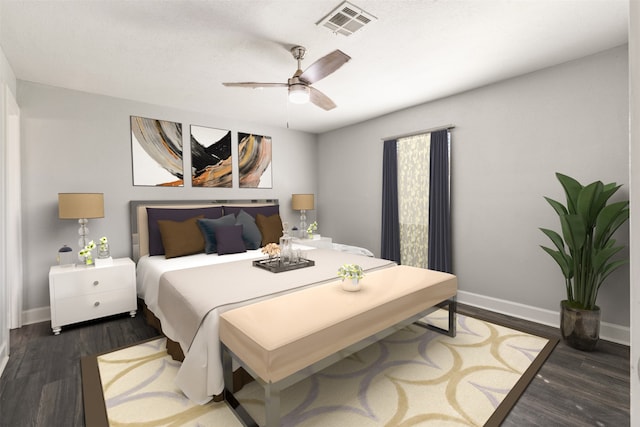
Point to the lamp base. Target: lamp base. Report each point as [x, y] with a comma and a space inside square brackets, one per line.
[303, 221]
[83, 231]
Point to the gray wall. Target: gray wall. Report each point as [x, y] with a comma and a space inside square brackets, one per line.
[509, 140]
[78, 142]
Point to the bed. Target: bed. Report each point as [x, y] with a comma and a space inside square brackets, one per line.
[187, 290]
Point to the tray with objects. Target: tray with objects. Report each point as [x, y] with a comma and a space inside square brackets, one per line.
[276, 265]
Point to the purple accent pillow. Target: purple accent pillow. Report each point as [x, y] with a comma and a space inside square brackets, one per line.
[229, 239]
[253, 210]
[171, 214]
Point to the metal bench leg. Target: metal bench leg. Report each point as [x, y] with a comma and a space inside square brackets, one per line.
[227, 373]
[272, 405]
[452, 308]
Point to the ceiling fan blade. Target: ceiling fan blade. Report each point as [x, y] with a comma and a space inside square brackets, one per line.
[324, 66]
[255, 85]
[320, 99]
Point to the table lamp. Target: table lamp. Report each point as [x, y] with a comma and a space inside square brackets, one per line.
[81, 206]
[302, 203]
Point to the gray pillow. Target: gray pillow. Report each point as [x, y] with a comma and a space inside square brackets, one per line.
[250, 232]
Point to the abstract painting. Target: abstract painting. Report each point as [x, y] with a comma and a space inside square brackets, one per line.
[211, 157]
[156, 150]
[254, 160]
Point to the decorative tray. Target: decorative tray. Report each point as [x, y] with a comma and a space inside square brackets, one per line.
[275, 266]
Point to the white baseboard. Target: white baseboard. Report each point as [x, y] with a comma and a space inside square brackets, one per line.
[3, 363]
[608, 331]
[4, 356]
[36, 315]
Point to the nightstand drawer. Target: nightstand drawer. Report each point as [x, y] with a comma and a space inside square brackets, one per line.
[91, 280]
[93, 306]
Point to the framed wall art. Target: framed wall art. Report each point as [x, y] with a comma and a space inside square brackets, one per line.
[156, 152]
[211, 159]
[254, 160]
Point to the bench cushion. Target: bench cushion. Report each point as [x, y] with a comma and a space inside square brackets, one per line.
[280, 336]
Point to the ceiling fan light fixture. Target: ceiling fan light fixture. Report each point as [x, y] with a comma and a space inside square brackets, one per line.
[299, 94]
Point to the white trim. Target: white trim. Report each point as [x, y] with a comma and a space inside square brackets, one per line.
[634, 199]
[4, 287]
[608, 331]
[13, 211]
[36, 315]
[3, 361]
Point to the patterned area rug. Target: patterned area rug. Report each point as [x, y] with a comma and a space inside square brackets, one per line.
[415, 377]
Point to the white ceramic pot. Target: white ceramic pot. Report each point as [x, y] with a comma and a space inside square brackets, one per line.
[351, 285]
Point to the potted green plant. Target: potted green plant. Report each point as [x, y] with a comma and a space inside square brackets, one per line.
[584, 251]
[350, 275]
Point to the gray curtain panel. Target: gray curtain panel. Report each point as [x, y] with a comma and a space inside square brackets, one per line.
[439, 208]
[390, 222]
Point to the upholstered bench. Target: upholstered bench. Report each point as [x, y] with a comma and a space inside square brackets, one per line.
[285, 339]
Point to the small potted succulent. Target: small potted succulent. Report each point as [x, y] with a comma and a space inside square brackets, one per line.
[350, 275]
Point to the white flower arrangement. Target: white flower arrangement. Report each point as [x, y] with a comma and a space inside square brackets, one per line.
[311, 228]
[350, 271]
[87, 253]
[104, 243]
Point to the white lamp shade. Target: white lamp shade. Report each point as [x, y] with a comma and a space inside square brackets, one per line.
[80, 205]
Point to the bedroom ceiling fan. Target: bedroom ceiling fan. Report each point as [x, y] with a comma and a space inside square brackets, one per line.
[299, 85]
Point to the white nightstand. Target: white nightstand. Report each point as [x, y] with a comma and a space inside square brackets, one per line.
[322, 242]
[84, 293]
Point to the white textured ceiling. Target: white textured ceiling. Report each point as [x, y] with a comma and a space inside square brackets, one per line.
[177, 53]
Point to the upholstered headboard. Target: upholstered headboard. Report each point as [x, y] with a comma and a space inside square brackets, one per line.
[140, 224]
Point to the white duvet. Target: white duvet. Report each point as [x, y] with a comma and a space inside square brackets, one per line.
[200, 376]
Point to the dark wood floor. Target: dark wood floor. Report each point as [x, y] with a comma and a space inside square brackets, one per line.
[41, 383]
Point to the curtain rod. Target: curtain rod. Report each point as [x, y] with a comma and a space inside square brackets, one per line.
[419, 132]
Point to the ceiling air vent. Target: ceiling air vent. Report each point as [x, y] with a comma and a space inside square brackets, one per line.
[346, 19]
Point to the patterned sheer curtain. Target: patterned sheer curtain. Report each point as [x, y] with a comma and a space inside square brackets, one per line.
[440, 203]
[413, 199]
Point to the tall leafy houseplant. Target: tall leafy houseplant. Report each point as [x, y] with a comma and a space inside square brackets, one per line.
[585, 249]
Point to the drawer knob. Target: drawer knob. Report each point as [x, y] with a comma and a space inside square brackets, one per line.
[97, 303]
[95, 283]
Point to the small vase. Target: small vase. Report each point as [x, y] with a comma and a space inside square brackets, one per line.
[103, 251]
[88, 260]
[351, 285]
